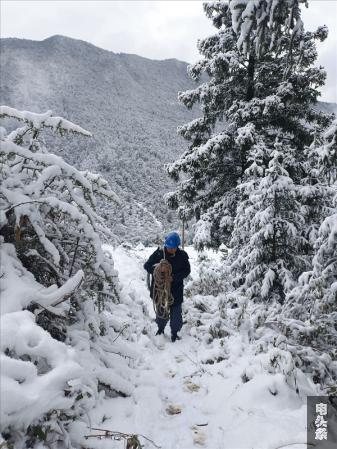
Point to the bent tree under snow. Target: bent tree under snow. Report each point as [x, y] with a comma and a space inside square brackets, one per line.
[55, 279]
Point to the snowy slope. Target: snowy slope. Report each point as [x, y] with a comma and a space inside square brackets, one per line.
[182, 401]
[129, 103]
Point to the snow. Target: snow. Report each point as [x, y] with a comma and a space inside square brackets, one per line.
[155, 221]
[236, 379]
[228, 391]
[20, 286]
[180, 400]
[9, 147]
[252, 20]
[37, 187]
[26, 392]
[202, 233]
[43, 120]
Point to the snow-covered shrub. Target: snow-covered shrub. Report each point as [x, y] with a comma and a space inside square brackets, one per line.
[59, 347]
[37, 371]
[211, 278]
[48, 207]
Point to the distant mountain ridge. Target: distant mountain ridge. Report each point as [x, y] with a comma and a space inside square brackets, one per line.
[128, 102]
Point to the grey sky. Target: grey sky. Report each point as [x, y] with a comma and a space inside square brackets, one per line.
[154, 29]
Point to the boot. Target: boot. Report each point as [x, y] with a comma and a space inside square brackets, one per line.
[175, 337]
[159, 332]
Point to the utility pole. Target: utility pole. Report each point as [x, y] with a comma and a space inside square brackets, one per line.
[183, 234]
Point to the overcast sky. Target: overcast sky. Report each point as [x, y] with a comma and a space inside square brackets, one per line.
[154, 29]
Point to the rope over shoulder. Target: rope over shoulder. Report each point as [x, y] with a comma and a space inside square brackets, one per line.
[162, 296]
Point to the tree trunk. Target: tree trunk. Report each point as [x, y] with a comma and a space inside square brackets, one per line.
[250, 84]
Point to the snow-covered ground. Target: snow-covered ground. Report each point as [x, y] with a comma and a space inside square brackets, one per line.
[180, 401]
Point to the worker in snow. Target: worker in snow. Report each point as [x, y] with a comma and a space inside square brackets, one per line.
[168, 267]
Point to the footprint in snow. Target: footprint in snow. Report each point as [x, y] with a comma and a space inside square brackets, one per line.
[199, 437]
[159, 342]
[191, 386]
[173, 409]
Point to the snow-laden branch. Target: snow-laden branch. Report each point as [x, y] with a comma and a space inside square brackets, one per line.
[45, 120]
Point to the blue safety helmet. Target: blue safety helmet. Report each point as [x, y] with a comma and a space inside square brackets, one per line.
[172, 240]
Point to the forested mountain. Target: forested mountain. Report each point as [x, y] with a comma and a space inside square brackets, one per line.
[129, 104]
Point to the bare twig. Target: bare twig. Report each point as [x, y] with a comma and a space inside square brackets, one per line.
[73, 261]
[290, 444]
[47, 309]
[120, 332]
[197, 364]
[118, 435]
[21, 204]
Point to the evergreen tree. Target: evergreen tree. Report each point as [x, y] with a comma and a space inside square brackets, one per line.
[313, 301]
[260, 25]
[257, 121]
[267, 228]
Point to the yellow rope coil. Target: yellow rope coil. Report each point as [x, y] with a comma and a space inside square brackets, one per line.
[162, 297]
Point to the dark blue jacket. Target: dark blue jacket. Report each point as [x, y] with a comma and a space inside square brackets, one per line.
[180, 270]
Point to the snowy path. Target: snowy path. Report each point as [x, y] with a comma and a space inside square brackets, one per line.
[181, 402]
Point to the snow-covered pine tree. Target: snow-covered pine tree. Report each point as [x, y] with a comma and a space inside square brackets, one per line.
[261, 24]
[257, 119]
[310, 315]
[58, 352]
[267, 228]
[317, 192]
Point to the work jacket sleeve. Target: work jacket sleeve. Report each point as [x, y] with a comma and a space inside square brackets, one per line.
[149, 265]
[183, 273]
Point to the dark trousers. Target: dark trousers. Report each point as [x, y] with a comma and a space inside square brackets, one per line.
[176, 320]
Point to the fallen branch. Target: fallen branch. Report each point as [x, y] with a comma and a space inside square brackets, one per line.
[132, 440]
[51, 310]
[120, 332]
[290, 444]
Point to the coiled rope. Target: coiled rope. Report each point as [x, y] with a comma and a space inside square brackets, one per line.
[162, 296]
